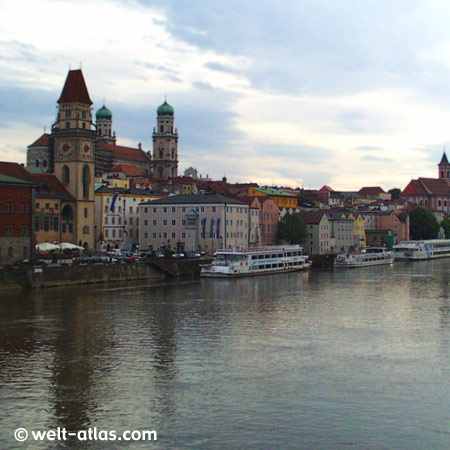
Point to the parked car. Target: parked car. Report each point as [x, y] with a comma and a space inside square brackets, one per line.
[193, 255]
[178, 255]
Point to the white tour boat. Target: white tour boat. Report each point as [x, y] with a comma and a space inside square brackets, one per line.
[256, 261]
[372, 257]
[419, 250]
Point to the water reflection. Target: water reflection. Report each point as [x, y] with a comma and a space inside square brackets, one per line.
[310, 360]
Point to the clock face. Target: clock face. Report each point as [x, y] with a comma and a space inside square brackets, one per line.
[86, 148]
[66, 147]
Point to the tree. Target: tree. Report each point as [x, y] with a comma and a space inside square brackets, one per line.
[292, 229]
[445, 224]
[423, 224]
[395, 193]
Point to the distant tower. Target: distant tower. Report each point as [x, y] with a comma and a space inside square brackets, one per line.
[165, 144]
[103, 120]
[74, 142]
[444, 169]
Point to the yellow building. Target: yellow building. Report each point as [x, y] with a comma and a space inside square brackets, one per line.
[281, 198]
[360, 227]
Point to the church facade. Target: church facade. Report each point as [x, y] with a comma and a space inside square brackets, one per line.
[78, 149]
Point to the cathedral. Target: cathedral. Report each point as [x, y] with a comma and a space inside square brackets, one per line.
[79, 149]
[75, 114]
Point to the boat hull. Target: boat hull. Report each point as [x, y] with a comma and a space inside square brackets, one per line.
[211, 274]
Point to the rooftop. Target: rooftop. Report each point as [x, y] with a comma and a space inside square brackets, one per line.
[75, 90]
[193, 199]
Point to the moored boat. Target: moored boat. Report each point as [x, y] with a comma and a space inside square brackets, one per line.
[256, 261]
[371, 257]
[420, 250]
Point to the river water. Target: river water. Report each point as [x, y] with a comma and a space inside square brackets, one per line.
[340, 359]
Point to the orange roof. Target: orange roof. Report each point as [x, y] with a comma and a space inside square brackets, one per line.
[43, 141]
[427, 186]
[129, 171]
[126, 153]
[325, 188]
[75, 90]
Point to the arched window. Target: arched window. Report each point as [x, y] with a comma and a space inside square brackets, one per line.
[36, 163]
[86, 182]
[161, 128]
[65, 175]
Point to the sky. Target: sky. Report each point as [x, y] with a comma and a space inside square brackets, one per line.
[296, 93]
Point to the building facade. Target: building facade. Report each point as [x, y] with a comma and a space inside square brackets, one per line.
[194, 223]
[117, 217]
[319, 240]
[16, 224]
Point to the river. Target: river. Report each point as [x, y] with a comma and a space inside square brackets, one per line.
[339, 359]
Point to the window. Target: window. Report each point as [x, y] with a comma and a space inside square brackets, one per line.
[86, 181]
[214, 209]
[65, 175]
[154, 235]
[154, 222]
[174, 222]
[164, 222]
[106, 221]
[46, 223]
[85, 212]
[36, 206]
[164, 210]
[36, 223]
[174, 235]
[55, 223]
[106, 233]
[145, 222]
[145, 235]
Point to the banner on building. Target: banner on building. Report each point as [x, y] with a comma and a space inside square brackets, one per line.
[113, 202]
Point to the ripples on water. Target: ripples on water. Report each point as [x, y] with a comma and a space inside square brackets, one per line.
[325, 360]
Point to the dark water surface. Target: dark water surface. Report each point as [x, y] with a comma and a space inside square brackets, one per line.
[354, 359]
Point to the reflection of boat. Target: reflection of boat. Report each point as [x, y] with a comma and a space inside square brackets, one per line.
[257, 261]
[416, 250]
[372, 257]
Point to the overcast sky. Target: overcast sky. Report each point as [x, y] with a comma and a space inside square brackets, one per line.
[348, 93]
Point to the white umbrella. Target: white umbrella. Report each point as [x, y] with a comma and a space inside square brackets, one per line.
[46, 247]
[69, 246]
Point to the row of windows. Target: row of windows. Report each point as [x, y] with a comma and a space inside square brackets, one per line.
[24, 252]
[11, 207]
[47, 206]
[46, 223]
[24, 229]
[164, 235]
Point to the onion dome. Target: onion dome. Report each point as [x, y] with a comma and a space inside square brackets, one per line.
[103, 114]
[165, 110]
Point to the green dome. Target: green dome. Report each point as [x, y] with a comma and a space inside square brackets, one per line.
[165, 110]
[103, 114]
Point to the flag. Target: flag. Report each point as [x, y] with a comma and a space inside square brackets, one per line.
[114, 199]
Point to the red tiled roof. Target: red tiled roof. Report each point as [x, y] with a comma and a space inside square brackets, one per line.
[75, 90]
[54, 185]
[427, 186]
[370, 191]
[312, 217]
[17, 171]
[129, 171]
[14, 170]
[43, 141]
[126, 153]
[325, 188]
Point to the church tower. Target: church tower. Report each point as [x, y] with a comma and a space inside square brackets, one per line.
[444, 169]
[165, 144]
[103, 121]
[74, 142]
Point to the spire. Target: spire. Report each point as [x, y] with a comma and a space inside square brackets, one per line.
[75, 90]
[444, 160]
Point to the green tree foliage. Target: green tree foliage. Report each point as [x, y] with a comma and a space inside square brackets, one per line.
[292, 229]
[395, 193]
[445, 224]
[423, 224]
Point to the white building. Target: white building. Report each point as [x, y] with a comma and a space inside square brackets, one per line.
[194, 222]
[117, 217]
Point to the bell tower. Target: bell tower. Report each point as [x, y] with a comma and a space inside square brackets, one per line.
[444, 169]
[74, 143]
[165, 144]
